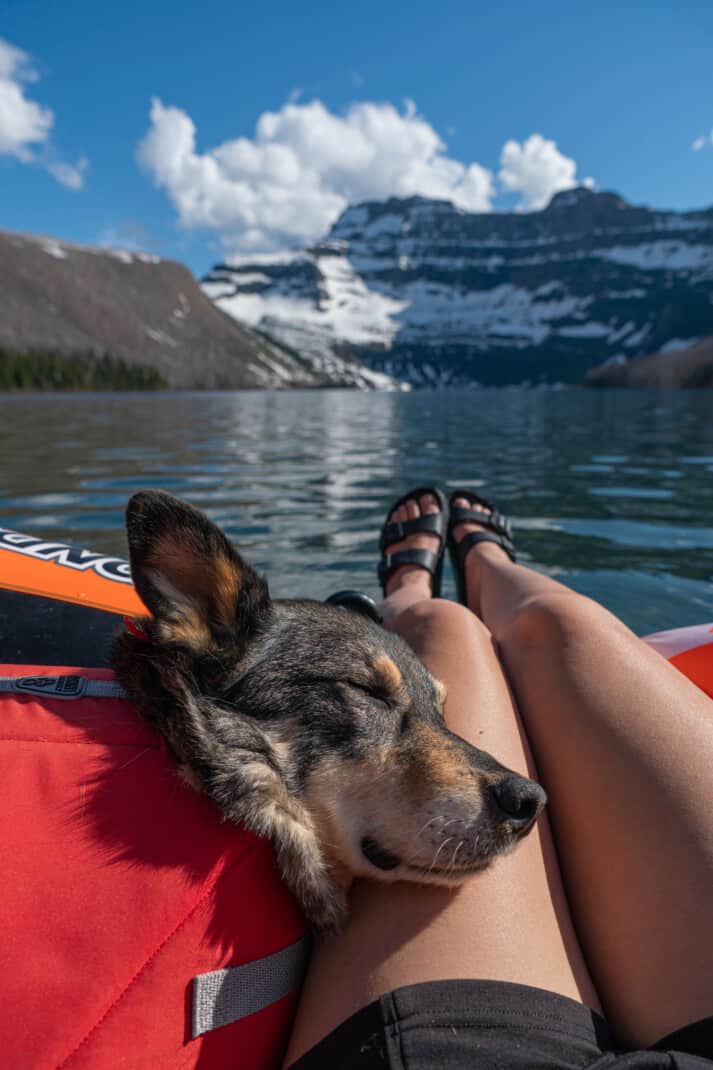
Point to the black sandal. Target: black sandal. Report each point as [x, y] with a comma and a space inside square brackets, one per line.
[429, 523]
[499, 532]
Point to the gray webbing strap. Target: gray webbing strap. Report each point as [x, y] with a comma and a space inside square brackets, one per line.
[61, 687]
[226, 996]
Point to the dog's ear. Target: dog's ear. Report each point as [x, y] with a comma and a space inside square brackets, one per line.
[198, 588]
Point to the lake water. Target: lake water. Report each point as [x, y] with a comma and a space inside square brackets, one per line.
[611, 492]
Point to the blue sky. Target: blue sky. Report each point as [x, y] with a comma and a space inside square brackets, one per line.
[624, 90]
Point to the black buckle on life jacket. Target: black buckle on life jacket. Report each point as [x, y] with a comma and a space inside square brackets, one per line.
[54, 686]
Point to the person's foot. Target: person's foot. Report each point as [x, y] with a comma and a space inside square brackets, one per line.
[417, 579]
[475, 555]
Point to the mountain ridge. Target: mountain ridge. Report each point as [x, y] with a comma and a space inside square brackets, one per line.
[428, 292]
[69, 300]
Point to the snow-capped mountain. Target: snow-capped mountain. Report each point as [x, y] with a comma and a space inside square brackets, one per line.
[423, 291]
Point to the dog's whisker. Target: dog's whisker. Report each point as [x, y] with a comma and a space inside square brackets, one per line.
[455, 854]
[435, 857]
[438, 817]
[414, 855]
[452, 821]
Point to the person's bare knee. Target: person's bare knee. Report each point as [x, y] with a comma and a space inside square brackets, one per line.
[438, 616]
[554, 619]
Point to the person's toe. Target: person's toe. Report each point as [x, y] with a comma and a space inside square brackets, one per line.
[470, 525]
[411, 509]
[430, 504]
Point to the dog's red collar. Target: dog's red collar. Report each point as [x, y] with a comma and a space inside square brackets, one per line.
[136, 630]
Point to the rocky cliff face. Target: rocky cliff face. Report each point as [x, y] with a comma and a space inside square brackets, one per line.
[426, 292]
[145, 311]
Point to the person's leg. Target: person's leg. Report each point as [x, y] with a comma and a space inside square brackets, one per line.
[624, 748]
[510, 923]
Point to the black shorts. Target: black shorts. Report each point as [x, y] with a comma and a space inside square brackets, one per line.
[493, 1025]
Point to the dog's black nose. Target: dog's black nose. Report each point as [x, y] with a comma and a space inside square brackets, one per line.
[519, 800]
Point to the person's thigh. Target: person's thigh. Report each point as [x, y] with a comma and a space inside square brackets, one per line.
[624, 745]
[510, 923]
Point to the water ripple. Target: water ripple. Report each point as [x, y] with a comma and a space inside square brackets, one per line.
[612, 493]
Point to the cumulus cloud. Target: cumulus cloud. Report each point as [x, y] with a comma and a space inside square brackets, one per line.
[25, 125]
[289, 183]
[536, 169]
[701, 142]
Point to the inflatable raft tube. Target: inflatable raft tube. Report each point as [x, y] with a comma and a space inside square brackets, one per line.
[60, 604]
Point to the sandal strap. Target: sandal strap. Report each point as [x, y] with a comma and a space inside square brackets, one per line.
[493, 520]
[433, 523]
[390, 562]
[474, 537]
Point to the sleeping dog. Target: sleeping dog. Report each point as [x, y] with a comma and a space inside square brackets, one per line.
[308, 723]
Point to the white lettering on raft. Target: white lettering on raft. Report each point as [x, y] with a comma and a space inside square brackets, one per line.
[109, 568]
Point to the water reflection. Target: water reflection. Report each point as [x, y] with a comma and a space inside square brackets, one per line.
[612, 491]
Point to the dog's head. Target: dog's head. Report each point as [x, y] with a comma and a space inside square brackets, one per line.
[295, 714]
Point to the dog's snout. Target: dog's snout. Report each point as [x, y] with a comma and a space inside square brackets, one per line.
[518, 800]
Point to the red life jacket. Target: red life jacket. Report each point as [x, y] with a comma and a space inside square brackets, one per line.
[137, 928]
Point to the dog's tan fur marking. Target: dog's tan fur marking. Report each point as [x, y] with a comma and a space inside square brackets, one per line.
[441, 690]
[225, 588]
[329, 836]
[303, 861]
[437, 762]
[186, 627]
[179, 564]
[210, 586]
[388, 673]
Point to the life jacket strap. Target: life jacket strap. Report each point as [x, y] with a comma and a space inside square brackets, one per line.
[69, 687]
[226, 996]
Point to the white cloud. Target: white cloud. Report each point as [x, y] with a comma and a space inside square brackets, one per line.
[701, 142]
[305, 164]
[25, 125]
[537, 169]
[69, 174]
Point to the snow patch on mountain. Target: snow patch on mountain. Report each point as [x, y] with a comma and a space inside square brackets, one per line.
[419, 289]
[662, 256]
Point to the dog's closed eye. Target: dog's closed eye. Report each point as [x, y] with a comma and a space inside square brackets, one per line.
[375, 694]
[374, 690]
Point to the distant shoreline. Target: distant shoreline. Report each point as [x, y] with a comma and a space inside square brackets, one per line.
[50, 370]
